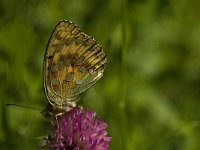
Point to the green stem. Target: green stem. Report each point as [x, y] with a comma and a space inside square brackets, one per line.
[122, 77]
[123, 80]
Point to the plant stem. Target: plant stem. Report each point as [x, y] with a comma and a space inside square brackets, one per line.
[123, 74]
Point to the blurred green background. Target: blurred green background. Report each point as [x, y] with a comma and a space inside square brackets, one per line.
[149, 95]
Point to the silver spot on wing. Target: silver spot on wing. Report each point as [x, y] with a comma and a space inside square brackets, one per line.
[53, 68]
[55, 82]
[92, 72]
[82, 69]
[69, 76]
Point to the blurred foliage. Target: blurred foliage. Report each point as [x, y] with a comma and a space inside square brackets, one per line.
[153, 52]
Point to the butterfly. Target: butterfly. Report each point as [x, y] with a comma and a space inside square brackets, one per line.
[73, 62]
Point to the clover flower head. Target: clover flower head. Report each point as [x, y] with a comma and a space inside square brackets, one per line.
[79, 130]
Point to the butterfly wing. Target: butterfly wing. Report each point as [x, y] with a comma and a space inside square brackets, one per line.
[73, 62]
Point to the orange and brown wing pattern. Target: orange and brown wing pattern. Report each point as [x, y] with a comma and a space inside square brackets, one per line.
[73, 62]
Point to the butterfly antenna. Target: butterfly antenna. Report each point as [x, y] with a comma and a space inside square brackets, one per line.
[23, 106]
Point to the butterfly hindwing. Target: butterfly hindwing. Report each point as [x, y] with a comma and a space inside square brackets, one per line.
[73, 62]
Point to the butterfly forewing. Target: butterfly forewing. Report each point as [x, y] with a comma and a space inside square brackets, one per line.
[73, 62]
